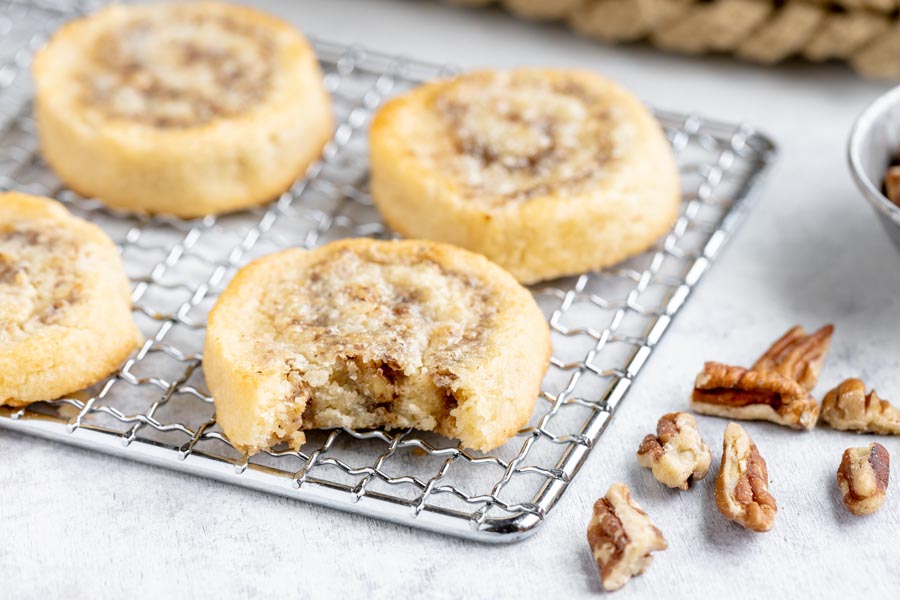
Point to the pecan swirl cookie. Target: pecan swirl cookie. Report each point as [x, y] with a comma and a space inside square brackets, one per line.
[65, 303]
[365, 334]
[546, 172]
[184, 109]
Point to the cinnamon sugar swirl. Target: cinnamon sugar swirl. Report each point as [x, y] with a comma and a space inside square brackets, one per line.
[546, 172]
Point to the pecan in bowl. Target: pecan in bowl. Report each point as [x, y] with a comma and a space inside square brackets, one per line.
[872, 150]
[892, 184]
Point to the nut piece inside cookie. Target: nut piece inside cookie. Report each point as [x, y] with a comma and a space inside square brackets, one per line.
[848, 408]
[863, 478]
[742, 487]
[737, 393]
[798, 355]
[676, 454]
[621, 537]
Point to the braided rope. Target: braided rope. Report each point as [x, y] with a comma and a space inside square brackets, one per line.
[864, 32]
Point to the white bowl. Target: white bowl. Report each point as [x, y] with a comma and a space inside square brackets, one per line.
[874, 143]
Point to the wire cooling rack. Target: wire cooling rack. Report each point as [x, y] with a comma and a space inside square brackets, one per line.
[157, 409]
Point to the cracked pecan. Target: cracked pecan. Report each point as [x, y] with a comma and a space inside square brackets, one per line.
[848, 408]
[742, 486]
[863, 478]
[621, 537]
[737, 393]
[798, 355]
[676, 454]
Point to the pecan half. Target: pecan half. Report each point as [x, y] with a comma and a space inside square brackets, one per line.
[863, 478]
[848, 408]
[742, 486]
[738, 393]
[676, 454]
[621, 537]
[797, 355]
[892, 184]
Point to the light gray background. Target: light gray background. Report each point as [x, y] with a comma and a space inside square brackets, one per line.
[78, 524]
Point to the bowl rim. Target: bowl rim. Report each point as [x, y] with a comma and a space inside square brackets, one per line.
[858, 135]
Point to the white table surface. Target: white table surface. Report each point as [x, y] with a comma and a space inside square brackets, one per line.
[78, 524]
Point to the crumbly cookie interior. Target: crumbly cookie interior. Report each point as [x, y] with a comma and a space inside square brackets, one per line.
[36, 283]
[510, 136]
[366, 341]
[178, 68]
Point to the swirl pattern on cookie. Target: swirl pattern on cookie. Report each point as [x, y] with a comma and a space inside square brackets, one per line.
[179, 74]
[184, 109]
[514, 137]
[65, 306]
[367, 334]
[546, 172]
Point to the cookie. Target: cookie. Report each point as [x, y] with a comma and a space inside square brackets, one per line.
[65, 303]
[182, 109]
[546, 172]
[372, 334]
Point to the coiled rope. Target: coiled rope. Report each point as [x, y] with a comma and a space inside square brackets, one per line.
[865, 33]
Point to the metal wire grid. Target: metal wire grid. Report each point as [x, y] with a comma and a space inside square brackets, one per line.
[156, 407]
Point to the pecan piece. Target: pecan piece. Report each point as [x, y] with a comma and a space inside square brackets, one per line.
[797, 355]
[742, 486]
[848, 408]
[621, 537]
[676, 454]
[738, 393]
[892, 184]
[863, 478]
